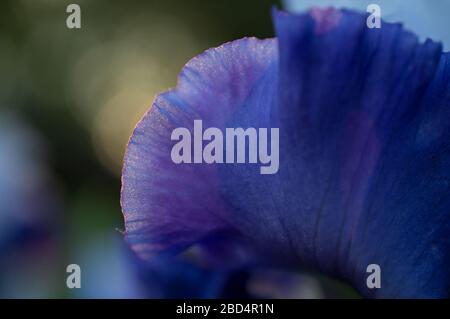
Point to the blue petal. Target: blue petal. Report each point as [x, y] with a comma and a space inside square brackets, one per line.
[169, 206]
[364, 163]
[354, 103]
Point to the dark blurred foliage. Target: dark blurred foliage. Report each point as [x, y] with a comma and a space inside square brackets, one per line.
[48, 105]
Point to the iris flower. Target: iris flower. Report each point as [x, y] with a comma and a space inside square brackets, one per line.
[364, 123]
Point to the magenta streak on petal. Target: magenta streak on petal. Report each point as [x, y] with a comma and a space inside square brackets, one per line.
[326, 19]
